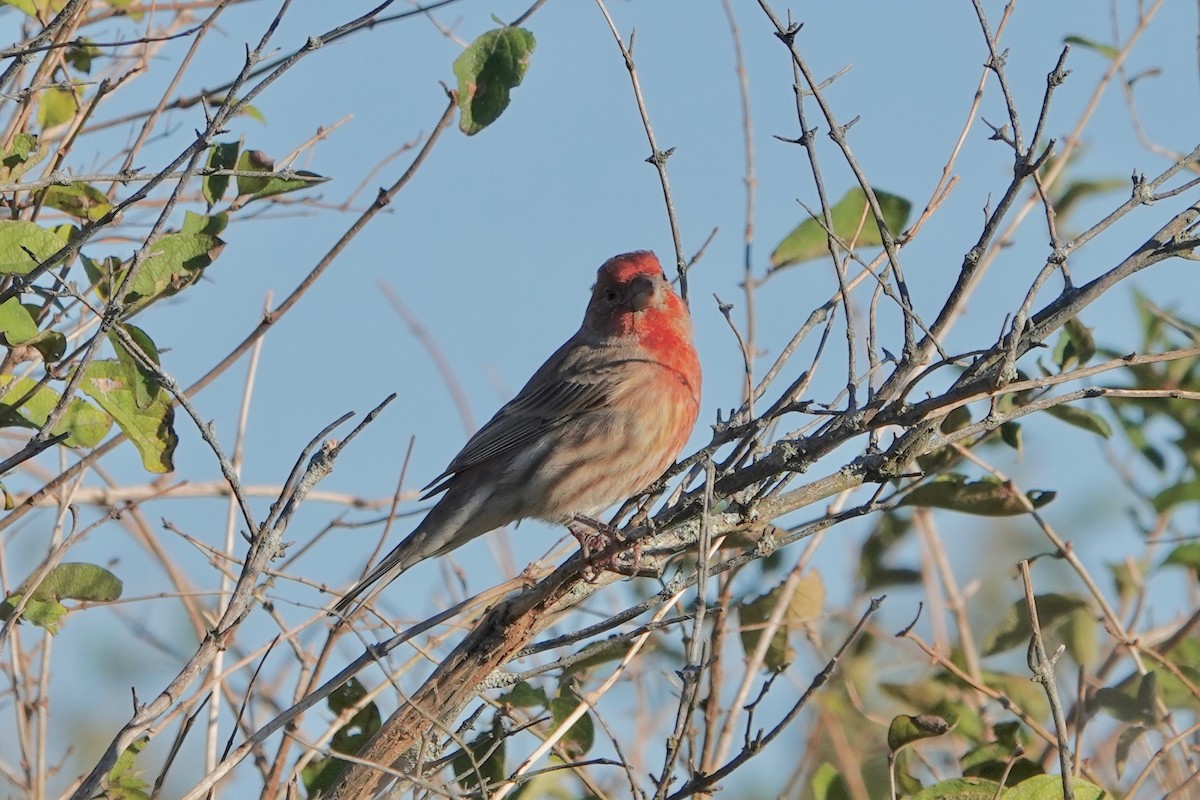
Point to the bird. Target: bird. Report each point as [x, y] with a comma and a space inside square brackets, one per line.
[598, 422]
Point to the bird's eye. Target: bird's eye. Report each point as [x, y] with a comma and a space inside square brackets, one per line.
[610, 295]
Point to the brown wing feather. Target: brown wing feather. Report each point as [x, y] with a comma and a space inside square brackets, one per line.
[545, 403]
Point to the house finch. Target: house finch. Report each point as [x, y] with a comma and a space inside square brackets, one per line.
[598, 422]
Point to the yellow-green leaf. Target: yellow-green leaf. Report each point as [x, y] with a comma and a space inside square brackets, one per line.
[68, 581]
[80, 200]
[1050, 787]
[85, 424]
[56, 105]
[853, 223]
[150, 429]
[24, 245]
[805, 604]
[176, 261]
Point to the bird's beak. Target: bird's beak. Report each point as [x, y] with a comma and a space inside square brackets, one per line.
[642, 292]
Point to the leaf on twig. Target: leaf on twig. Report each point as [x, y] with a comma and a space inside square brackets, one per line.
[222, 155]
[852, 223]
[85, 424]
[56, 105]
[487, 71]
[256, 187]
[987, 497]
[1081, 418]
[24, 245]
[1108, 51]
[78, 199]
[151, 429]
[68, 581]
[806, 603]
[1061, 616]
[906, 729]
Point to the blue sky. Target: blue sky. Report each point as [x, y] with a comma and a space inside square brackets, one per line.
[494, 244]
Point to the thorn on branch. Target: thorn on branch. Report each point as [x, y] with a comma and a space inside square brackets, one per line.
[907, 628]
[1000, 134]
[788, 34]
[1141, 188]
[839, 132]
[659, 158]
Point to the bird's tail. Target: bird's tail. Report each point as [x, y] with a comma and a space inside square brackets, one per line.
[457, 518]
[406, 554]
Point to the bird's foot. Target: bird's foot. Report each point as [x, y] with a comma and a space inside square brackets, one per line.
[595, 538]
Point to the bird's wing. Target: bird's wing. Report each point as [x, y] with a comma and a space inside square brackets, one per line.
[541, 406]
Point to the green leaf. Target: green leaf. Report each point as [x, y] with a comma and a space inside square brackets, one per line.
[1186, 492]
[176, 261]
[320, 774]
[1080, 189]
[17, 322]
[222, 155]
[987, 497]
[828, 784]
[68, 581]
[41, 10]
[150, 429]
[1075, 346]
[85, 423]
[906, 729]
[1108, 51]
[81, 53]
[1132, 703]
[18, 326]
[1125, 742]
[19, 239]
[79, 200]
[524, 695]
[598, 653]
[873, 565]
[1010, 434]
[145, 384]
[56, 106]
[212, 225]
[852, 223]
[955, 420]
[486, 751]
[103, 275]
[1054, 611]
[1082, 418]
[77, 581]
[256, 187]
[18, 152]
[991, 761]
[959, 789]
[580, 737]
[1185, 555]
[806, 603]
[124, 780]
[487, 71]
[1049, 787]
[245, 111]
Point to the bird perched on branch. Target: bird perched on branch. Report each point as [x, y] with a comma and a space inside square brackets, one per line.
[598, 422]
